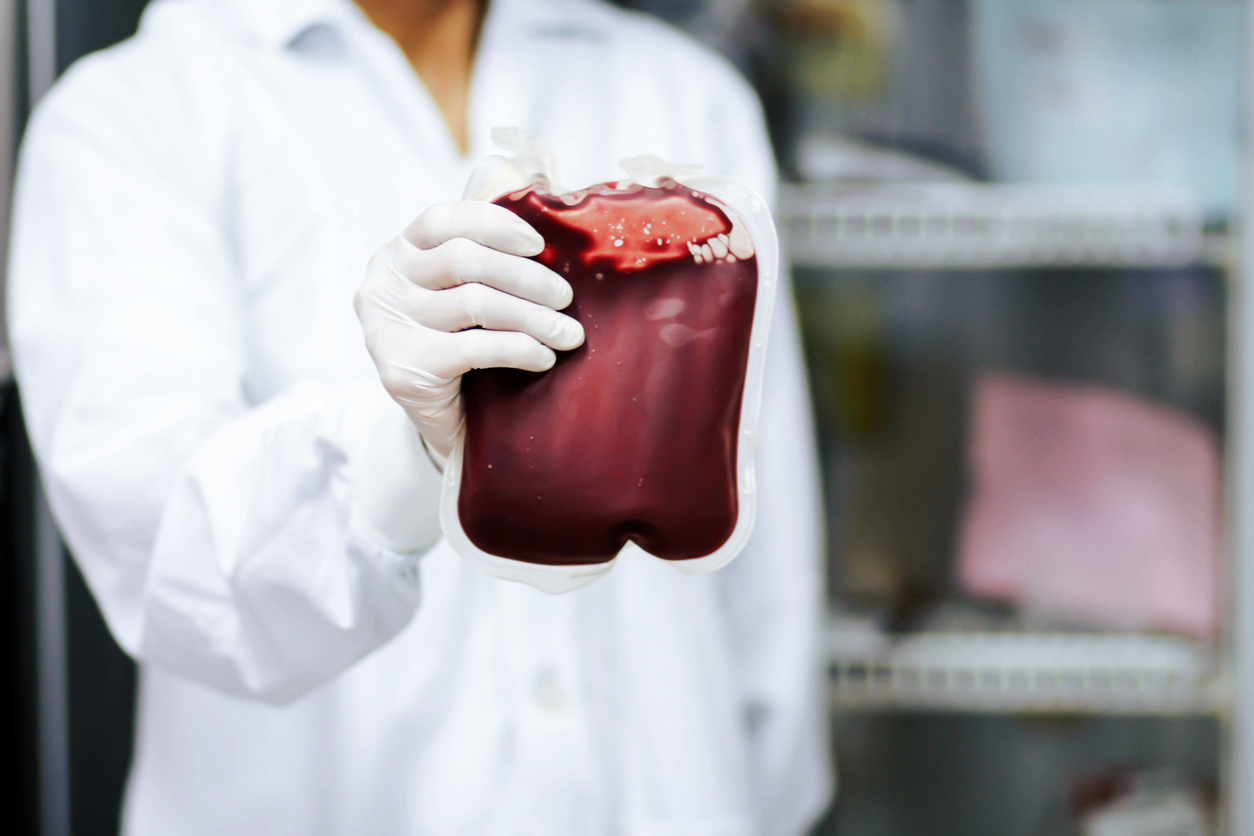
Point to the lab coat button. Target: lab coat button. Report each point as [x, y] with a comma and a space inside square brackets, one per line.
[547, 690]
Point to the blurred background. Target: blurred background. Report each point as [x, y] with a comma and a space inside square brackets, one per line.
[1012, 232]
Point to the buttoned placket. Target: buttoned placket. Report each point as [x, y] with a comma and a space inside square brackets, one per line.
[544, 689]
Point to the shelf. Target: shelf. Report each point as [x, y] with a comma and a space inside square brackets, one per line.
[992, 225]
[1006, 673]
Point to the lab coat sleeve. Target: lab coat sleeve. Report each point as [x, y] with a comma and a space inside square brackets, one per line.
[774, 588]
[213, 532]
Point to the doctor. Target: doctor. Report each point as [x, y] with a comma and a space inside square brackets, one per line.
[254, 511]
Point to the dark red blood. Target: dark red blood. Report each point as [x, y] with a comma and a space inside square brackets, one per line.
[633, 435]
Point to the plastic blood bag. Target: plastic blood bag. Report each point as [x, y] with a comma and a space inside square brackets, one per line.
[633, 434]
[644, 435]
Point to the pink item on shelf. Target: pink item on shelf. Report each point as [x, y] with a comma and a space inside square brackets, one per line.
[1092, 506]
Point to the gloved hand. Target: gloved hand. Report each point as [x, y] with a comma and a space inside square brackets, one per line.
[454, 292]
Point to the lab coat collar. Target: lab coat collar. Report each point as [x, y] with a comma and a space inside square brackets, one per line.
[278, 23]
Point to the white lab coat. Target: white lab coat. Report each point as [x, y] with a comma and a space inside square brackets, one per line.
[194, 211]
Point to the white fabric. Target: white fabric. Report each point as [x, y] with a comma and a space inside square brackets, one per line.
[393, 483]
[195, 211]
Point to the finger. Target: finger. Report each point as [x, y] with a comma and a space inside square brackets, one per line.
[480, 306]
[459, 262]
[484, 223]
[456, 354]
[505, 350]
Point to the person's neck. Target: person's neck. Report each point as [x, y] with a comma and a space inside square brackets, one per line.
[439, 37]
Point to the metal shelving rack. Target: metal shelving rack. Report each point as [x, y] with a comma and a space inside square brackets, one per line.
[962, 226]
[28, 33]
[1020, 673]
[1239, 655]
[954, 226]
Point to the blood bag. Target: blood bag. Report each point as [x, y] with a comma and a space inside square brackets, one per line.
[644, 436]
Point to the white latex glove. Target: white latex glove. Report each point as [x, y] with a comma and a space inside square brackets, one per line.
[454, 292]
